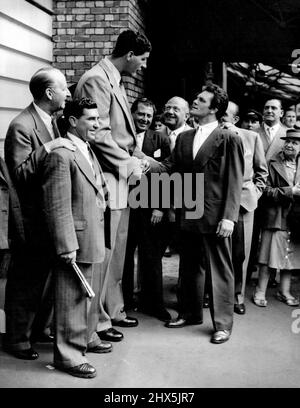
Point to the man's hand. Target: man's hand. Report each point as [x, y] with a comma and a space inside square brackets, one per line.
[229, 126]
[59, 142]
[156, 217]
[69, 257]
[145, 165]
[225, 228]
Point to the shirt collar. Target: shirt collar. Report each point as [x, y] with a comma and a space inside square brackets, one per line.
[275, 127]
[209, 126]
[81, 144]
[178, 130]
[141, 134]
[46, 118]
[115, 71]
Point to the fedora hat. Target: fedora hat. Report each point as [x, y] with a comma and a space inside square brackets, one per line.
[292, 134]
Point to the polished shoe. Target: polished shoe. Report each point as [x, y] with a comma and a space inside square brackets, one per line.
[220, 336]
[101, 348]
[27, 354]
[160, 314]
[290, 301]
[127, 322]
[110, 335]
[239, 308]
[181, 322]
[42, 338]
[84, 370]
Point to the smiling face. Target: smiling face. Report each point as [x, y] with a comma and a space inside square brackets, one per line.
[272, 112]
[289, 118]
[291, 148]
[143, 117]
[87, 125]
[176, 112]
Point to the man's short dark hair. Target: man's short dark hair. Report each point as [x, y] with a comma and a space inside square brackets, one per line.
[274, 99]
[75, 107]
[133, 41]
[143, 101]
[219, 100]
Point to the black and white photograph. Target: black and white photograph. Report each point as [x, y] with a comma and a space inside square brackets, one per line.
[150, 197]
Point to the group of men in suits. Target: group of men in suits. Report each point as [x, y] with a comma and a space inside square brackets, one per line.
[73, 194]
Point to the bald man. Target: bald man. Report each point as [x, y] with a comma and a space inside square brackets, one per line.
[30, 137]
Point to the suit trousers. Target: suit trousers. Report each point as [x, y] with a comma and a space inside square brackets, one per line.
[205, 257]
[28, 299]
[113, 265]
[74, 326]
[241, 246]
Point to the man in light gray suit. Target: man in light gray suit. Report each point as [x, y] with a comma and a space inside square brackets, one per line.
[254, 182]
[115, 146]
[74, 204]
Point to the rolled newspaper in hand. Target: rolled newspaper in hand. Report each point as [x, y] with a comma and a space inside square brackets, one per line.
[89, 291]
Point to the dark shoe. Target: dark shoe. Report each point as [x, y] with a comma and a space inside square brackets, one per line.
[181, 322]
[160, 314]
[272, 283]
[84, 370]
[288, 301]
[28, 354]
[220, 336]
[101, 348]
[43, 338]
[127, 322]
[239, 308]
[110, 335]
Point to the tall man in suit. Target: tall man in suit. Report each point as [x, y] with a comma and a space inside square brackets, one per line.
[255, 177]
[115, 146]
[30, 137]
[147, 226]
[74, 204]
[206, 241]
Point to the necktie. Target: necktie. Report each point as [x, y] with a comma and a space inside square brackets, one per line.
[269, 134]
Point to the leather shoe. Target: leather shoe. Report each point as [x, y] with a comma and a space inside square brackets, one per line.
[27, 354]
[84, 370]
[43, 338]
[101, 348]
[220, 336]
[239, 308]
[181, 322]
[127, 322]
[110, 335]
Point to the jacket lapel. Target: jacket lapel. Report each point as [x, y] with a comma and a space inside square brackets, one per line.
[40, 129]
[208, 148]
[118, 93]
[279, 166]
[148, 143]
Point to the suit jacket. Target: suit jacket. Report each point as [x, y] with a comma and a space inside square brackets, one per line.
[278, 196]
[73, 205]
[24, 151]
[221, 160]
[276, 144]
[116, 141]
[256, 171]
[11, 221]
[155, 141]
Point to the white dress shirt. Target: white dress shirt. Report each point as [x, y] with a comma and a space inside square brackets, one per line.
[173, 135]
[202, 134]
[47, 120]
[83, 147]
[140, 140]
[271, 130]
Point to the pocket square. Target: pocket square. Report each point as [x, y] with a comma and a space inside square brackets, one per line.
[157, 153]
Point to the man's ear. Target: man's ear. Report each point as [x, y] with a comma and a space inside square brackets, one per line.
[73, 121]
[49, 93]
[129, 55]
[236, 119]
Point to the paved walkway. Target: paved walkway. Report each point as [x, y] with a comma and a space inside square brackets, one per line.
[263, 352]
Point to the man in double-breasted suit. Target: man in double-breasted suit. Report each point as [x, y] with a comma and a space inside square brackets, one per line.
[206, 239]
[255, 177]
[115, 146]
[147, 227]
[74, 191]
[30, 136]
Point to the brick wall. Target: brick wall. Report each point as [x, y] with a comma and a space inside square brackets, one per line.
[83, 31]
